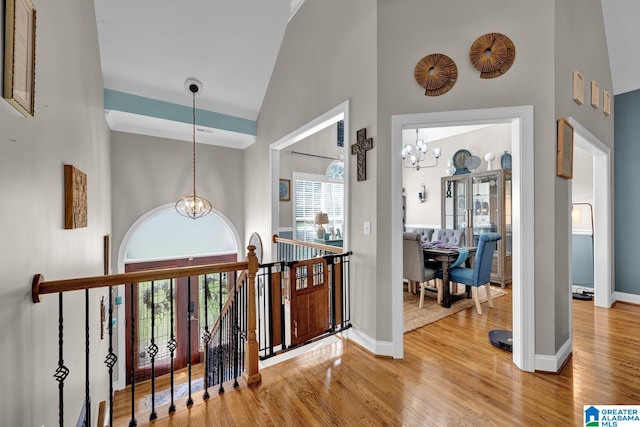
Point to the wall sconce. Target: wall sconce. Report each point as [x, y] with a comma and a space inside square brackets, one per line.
[576, 215]
[422, 194]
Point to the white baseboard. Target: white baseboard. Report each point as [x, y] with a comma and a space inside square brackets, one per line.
[379, 348]
[625, 297]
[553, 363]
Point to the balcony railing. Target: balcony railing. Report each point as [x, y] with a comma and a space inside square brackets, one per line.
[231, 348]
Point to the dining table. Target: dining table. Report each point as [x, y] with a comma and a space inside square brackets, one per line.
[447, 255]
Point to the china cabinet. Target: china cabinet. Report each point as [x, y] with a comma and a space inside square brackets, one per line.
[478, 203]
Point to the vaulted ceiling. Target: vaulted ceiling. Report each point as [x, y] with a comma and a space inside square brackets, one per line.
[149, 48]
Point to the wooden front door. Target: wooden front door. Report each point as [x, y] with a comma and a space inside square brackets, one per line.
[309, 294]
[185, 295]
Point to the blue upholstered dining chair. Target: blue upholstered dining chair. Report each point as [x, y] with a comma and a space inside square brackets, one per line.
[413, 268]
[480, 274]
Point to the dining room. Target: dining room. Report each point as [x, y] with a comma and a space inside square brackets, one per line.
[456, 187]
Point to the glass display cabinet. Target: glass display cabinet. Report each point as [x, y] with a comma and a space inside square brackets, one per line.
[478, 203]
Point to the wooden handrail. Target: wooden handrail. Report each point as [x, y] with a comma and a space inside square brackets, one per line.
[39, 286]
[326, 248]
[250, 267]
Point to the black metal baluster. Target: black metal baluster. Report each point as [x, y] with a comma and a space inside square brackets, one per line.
[206, 336]
[283, 340]
[236, 331]
[266, 341]
[62, 371]
[133, 422]
[332, 292]
[220, 335]
[153, 351]
[190, 309]
[111, 359]
[87, 398]
[269, 289]
[172, 345]
[245, 318]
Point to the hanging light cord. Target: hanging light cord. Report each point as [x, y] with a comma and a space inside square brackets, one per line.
[193, 92]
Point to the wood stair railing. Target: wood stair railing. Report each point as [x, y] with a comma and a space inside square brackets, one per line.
[251, 375]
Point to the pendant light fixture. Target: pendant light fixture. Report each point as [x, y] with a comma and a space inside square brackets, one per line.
[412, 154]
[193, 206]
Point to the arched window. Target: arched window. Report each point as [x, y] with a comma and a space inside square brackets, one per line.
[164, 234]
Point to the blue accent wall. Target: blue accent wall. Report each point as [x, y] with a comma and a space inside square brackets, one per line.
[627, 191]
[120, 101]
[582, 260]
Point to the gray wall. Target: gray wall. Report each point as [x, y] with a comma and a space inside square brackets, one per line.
[367, 52]
[68, 128]
[328, 55]
[148, 172]
[627, 197]
[580, 44]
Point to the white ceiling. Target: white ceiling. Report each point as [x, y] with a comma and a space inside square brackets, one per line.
[149, 48]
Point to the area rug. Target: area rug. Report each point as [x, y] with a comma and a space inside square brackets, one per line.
[431, 311]
[181, 390]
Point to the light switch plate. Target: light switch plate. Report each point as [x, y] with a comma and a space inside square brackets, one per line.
[367, 228]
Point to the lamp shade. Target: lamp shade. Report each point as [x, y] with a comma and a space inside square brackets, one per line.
[322, 218]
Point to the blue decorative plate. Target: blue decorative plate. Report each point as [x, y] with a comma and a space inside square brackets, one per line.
[472, 163]
[460, 161]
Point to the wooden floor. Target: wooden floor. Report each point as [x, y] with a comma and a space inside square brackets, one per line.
[450, 376]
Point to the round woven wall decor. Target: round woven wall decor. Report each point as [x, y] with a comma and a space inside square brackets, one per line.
[492, 54]
[436, 73]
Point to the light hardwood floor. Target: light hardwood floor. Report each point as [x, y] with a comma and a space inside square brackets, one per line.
[451, 376]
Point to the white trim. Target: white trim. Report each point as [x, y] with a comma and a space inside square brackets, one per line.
[602, 213]
[379, 348]
[120, 383]
[522, 121]
[625, 297]
[554, 363]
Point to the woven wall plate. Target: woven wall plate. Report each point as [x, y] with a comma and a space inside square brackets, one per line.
[492, 54]
[436, 73]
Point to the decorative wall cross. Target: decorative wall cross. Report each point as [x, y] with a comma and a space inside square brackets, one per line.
[360, 149]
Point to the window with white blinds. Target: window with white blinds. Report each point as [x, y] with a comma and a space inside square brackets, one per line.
[313, 194]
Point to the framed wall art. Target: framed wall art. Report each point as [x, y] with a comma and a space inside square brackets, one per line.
[606, 103]
[284, 190]
[578, 88]
[75, 198]
[595, 94]
[20, 55]
[565, 149]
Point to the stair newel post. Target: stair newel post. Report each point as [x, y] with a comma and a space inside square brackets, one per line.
[251, 374]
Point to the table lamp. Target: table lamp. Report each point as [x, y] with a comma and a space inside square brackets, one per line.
[321, 218]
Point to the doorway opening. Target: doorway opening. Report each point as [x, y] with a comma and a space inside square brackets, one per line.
[601, 213]
[521, 122]
[283, 147]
